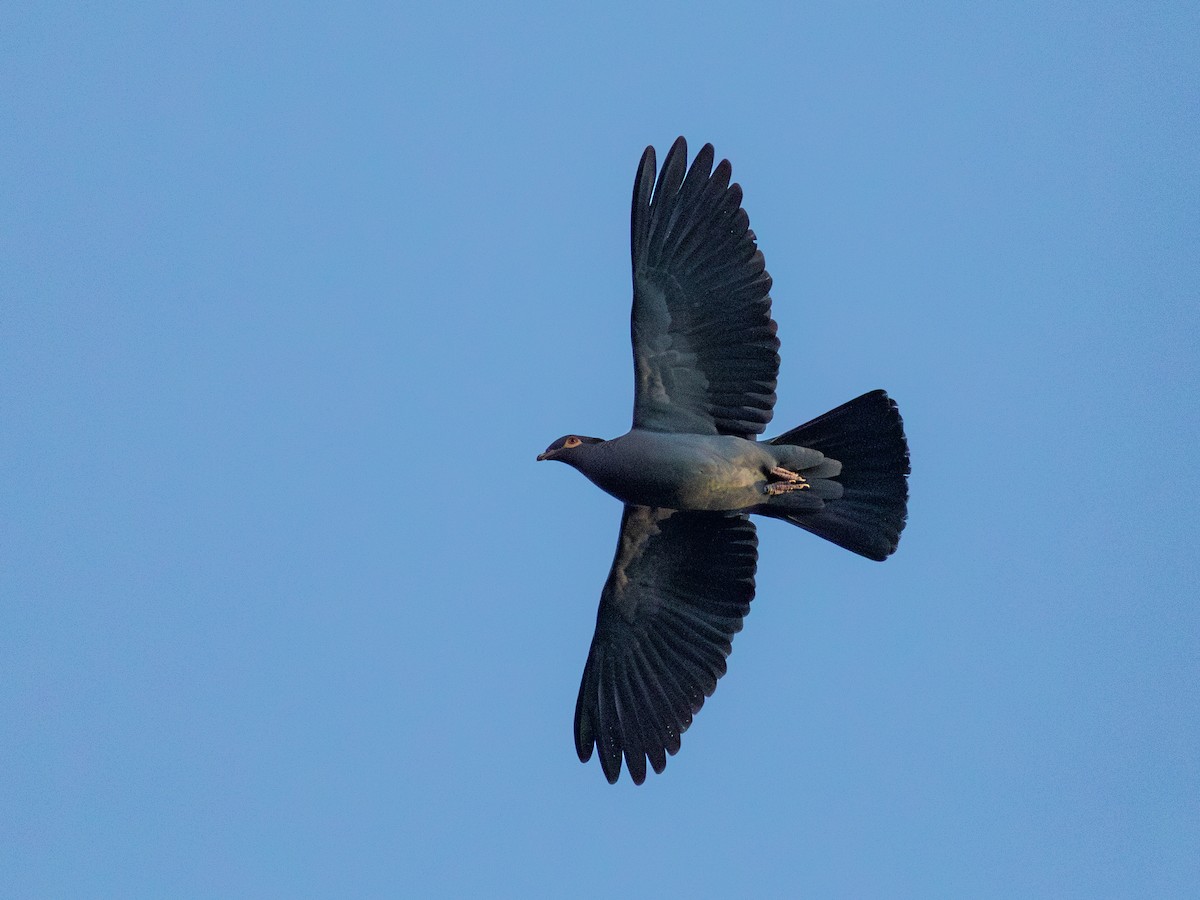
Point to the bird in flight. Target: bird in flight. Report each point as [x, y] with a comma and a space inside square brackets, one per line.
[691, 470]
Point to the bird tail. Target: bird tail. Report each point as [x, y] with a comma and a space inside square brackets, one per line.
[866, 436]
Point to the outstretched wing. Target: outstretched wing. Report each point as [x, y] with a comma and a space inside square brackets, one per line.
[704, 346]
[680, 585]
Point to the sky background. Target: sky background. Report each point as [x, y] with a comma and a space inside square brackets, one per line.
[291, 296]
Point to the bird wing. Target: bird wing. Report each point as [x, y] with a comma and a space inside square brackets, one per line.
[680, 585]
[704, 346]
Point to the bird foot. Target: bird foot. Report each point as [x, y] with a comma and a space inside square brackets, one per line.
[788, 481]
[786, 474]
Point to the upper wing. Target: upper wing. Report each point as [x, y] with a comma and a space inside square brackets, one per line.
[680, 584]
[704, 345]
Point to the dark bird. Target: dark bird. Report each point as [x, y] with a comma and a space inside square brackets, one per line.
[691, 469]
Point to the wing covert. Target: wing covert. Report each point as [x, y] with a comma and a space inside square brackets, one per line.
[704, 346]
[679, 587]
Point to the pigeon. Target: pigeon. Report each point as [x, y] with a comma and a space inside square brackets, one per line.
[691, 471]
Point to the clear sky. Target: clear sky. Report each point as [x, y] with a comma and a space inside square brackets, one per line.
[290, 297]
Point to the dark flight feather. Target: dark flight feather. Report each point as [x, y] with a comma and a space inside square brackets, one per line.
[705, 351]
[680, 585]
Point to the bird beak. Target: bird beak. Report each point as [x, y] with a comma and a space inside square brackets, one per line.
[542, 456]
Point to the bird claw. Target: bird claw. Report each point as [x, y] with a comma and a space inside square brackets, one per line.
[788, 481]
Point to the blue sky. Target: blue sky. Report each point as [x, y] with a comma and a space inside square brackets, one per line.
[291, 297]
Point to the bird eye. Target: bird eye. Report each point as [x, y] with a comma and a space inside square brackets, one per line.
[572, 442]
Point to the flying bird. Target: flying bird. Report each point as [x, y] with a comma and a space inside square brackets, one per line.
[691, 470]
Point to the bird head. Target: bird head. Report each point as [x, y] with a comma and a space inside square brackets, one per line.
[567, 448]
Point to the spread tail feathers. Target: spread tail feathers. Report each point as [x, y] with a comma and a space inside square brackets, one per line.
[866, 436]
